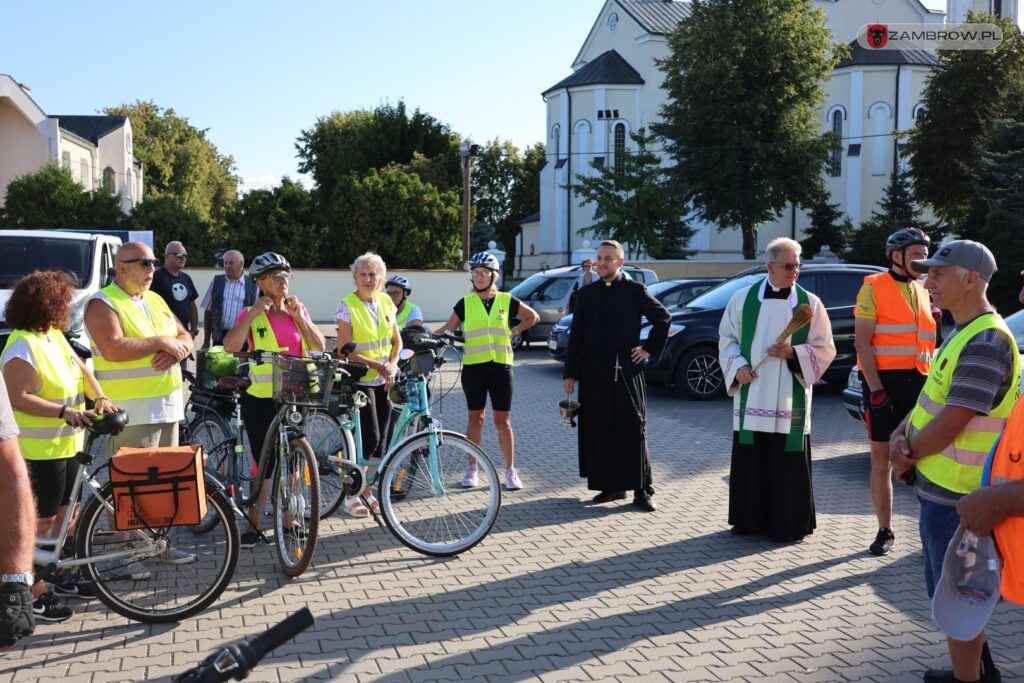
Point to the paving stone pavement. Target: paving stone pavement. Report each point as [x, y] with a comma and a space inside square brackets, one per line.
[563, 591]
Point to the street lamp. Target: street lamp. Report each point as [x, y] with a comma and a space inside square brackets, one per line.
[467, 152]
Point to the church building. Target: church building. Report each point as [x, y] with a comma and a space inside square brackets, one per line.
[615, 88]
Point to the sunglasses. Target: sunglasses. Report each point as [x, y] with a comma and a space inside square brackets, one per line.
[790, 267]
[181, 256]
[145, 262]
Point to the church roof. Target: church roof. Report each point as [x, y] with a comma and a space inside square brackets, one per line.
[862, 56]
[656, 16]
[608, 68]
[90, 128]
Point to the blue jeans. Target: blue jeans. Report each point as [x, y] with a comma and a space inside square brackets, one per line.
[937, 525]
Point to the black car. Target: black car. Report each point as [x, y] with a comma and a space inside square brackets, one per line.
[674, 294]
[690, 362]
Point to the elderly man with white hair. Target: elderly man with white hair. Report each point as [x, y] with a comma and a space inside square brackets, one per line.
[775, 343]
[225, 298]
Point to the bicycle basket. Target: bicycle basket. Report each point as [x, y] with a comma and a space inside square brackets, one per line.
[302, 381]
[211, 365]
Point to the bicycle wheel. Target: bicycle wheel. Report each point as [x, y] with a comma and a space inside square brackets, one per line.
[444, 520]
[324, 434]
[211, 431]
[166, 575]
[296, 507]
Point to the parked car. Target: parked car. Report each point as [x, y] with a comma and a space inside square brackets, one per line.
[549, 294]
[690, 362]
[852, 394]
[674, 294]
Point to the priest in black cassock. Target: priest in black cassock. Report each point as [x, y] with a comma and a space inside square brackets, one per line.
[606, 356]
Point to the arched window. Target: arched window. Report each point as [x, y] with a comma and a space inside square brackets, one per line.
[555, 139]
[619, 146]
[880, 115]
[918, 114]
[85, 174]
[836, 169]
[109, 184]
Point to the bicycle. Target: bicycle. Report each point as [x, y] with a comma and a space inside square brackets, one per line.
[128, 569]
[419, 478]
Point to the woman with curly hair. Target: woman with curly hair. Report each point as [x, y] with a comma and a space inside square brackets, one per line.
[48, 385]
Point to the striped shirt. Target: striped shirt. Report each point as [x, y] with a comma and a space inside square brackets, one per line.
[234, 301]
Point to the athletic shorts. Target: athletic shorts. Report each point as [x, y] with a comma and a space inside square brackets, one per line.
[52, 481]
[481, 379]
[903, 388]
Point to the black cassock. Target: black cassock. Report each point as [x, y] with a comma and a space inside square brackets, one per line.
[605, 327]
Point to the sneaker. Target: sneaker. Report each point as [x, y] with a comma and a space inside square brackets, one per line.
[250, 539]
[75, 590]
[512, 481]
[883, 542]
[133, 571]
[472, 478]
[48, 607]
[175, 556]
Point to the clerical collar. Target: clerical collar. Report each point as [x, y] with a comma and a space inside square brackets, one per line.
[771, 293]
[897, 277]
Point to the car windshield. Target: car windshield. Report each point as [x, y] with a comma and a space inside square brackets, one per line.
[1016, 324]
[659, 288]
[718, 297]
[528, 286]
[19, 256]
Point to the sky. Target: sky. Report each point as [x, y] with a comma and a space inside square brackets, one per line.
[255, 74]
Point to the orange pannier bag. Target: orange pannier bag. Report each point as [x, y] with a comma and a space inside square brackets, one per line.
[158, 487]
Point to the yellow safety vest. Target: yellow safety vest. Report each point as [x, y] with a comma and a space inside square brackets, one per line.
[487, 334]
[373, 340]
[51, 438]
[958, 467]
[124, 380]
[403, 317]
[262, 375]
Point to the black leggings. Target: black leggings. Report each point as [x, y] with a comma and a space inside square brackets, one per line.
[52, 481]
[258, 413]
[374, 418]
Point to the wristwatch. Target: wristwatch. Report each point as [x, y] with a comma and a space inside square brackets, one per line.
[27, 578]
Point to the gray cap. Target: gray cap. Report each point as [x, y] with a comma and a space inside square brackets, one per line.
[967, 254]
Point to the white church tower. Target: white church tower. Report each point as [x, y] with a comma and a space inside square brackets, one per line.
[958, 9]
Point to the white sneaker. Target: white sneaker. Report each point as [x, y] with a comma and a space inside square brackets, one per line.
[472, 478]
[133, 571]
[175, 556]
[512, 481]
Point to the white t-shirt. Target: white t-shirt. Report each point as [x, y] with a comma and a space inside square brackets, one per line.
[20, 349]
[149, 411]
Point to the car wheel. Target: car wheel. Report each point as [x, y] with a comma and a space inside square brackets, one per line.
[698, 375]
[519, 342]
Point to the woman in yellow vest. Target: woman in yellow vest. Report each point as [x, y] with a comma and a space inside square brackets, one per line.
[275, 322]
[48, 385]
[367, 317]
[487, 361]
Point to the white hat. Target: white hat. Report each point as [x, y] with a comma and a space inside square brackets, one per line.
[968, 589]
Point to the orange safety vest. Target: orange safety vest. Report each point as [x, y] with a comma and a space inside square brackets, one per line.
[901, 341]
[1007, 465]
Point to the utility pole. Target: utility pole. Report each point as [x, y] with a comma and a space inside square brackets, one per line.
[467, 152]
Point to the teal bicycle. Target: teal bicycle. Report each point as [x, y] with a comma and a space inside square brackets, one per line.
[419, 479]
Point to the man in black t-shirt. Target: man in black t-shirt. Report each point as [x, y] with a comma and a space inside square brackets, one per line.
[176, 287]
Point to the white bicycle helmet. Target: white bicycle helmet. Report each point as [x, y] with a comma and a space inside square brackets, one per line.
[485, 260]
[268, 262]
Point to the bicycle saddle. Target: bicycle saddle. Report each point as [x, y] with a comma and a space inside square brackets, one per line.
[233, 383]
[109, 423]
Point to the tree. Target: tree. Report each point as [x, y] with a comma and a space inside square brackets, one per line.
[361, 140]
[283, 219]
[829, 226]
[170, 220]
[896, 210]
[632, 201]
[50, 198]
[180, 161]
[408, 222]
[744, 80]
[966, 92]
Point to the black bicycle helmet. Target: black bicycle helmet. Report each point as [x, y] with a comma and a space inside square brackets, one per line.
[485, 260]
[268, 262]
[907, 237]
[399, 281]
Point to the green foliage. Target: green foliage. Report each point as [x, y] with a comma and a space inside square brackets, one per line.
[408, 222]
[896, 210]
[828, 225]
[360, 140]
[50, 198]
[1001, 185]
[170, 220]
[634, 204]
[179, 161]
[961, 97]
[283, 219]
[743, 81]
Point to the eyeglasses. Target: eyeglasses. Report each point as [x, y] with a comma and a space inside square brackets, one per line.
[144, 262]
[281, 275]
[181, 256]
[588, 266]
[790, 267]
[395, 292]
[480, 273]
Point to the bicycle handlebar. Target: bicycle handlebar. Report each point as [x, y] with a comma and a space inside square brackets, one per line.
[237, 660]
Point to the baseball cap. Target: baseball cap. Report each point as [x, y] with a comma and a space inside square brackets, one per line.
[967, 254]
[968, 589]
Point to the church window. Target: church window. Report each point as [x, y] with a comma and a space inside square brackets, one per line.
[65, 160]
[555, 139]
[619, 146]
[85, 174]
[108, 180]
[836, 169]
